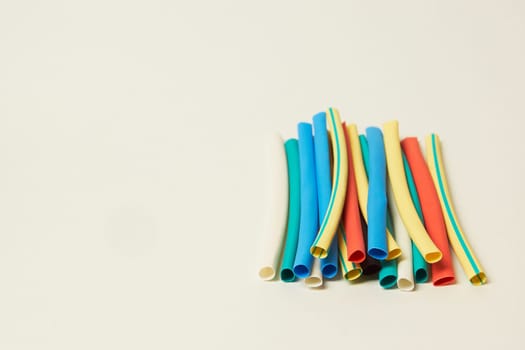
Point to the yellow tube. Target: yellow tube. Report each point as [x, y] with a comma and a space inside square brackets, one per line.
[362, 187]
[407, 211]
[457, 239]
[350, 270]
[332, 216]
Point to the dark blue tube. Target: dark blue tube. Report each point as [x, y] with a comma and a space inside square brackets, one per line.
[377, 198]
[324, 188]
[309, 221]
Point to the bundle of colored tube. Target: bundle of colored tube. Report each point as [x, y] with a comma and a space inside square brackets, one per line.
[362, 205]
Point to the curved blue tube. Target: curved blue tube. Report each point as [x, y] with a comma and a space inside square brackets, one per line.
[329, 265]
[377, 198]
[309, 221]
[419, 265]
[388, 272]
[294, 210]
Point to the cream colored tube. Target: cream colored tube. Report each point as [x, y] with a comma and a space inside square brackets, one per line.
[404, 204]
[315, 280]
[276, 208]
[405, 276]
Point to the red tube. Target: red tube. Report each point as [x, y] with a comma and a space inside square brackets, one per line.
[443, 270]
[351, 215]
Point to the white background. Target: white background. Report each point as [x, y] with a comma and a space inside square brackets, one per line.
[130, 145]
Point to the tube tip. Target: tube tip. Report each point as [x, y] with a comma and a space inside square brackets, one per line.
[318, 252]
[433, 257]
[405, 284]
[313, 282]
[479, 279]
[266, 273]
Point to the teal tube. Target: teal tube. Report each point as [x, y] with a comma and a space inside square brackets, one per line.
[294, 210]
[420, 266]
[388, 272]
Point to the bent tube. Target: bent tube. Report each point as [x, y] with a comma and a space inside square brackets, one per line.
[329, 266]
[309, 215]
[457, 238]
[443, 270]
[362, 186]
[351, 271]
[294, 210]
[396, 172]
[276, 208]
[420, 266]
[377, 200]
[332, 216]
[351, 220]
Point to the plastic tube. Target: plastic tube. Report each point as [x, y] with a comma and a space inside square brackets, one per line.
[276, 208]
[388, 272]
[377, 200]
[332, 217]
[329, 266]
[351, 271]
[396, 171]
[405, 276]
[309, 215]
[370, 266]
[457, 238]
[315, 280]
[355, 245]
[362, 187]
[421, 271]
[294, 210]
[443, 270]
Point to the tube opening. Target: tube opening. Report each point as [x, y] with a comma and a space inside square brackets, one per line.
[301, 271]
[357, 257]
[353, 274]
[313, 282]
[405, 284]
[329, 271]
[319, 252]
[394, 254]
[378, 253]
[444, 281]
[433, 257]
[421, 276]
[388, 281]
[267, 273]
[287, 275]
[479, 279]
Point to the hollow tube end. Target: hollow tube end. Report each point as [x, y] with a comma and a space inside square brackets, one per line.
[444, 281]
[287, 275]
[357, 257]
[318, 252]
[479, 279]
[421, 276]
[378, 253]
[394, 254]
[353, 274]
[388, 282]
[313, 282]
[405, 284]
[433, 257]
[267, 273]
[301, 271]
[329, 271]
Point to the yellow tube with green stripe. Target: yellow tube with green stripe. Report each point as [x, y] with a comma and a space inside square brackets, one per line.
[457, 238]
[331, 219]
[350, 270]
[407, 211]
[362, 187]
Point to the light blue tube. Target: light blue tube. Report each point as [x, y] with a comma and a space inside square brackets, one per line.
[294, 210]
[309, 221]
[419, 265]
[329, 265]
[388, 272]
[377, 198]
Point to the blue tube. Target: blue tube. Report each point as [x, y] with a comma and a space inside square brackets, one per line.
[294, 210]
[377, 198]
[388, 272]
[329, 265]
[419, 265]
[309, 221]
